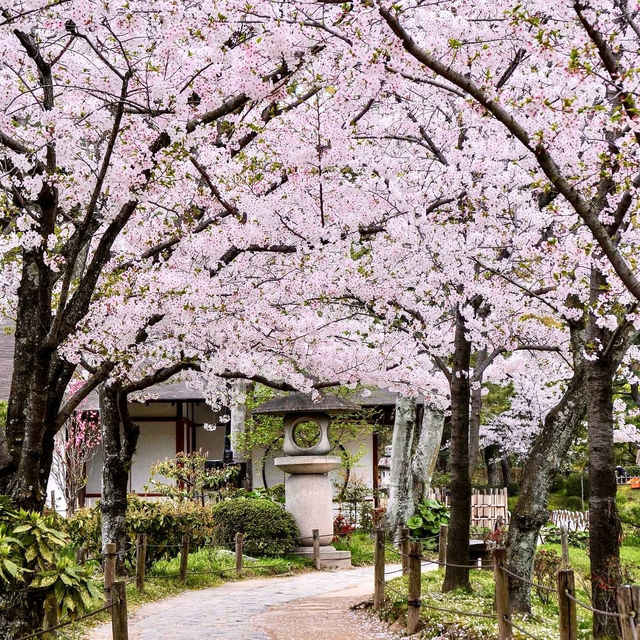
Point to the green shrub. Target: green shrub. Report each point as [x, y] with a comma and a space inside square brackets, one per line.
[630, 515]
[440, 480]
[35, 556]
[558, 483]
[425, 524]
[164, 523]
[275, 493]
[573, 485]
[268, 527]
[631, 540]
[551, 535]
[513, 489]
[633, 471]
[573, 503]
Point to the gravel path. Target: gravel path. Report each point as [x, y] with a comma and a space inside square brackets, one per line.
[233, 610]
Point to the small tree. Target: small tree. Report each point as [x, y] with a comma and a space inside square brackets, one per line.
[193, 481]
[74, 446]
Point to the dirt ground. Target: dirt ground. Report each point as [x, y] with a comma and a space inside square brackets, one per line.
[324, 617]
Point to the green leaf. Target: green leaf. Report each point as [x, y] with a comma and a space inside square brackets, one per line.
[23, 528]
[414, 522]
[66, 579]
[42, 580]
[11, 567]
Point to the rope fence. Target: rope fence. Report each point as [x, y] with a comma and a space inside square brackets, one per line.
[117, 606]
[413, 561]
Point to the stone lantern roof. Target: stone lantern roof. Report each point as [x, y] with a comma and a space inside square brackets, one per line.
[304, 403]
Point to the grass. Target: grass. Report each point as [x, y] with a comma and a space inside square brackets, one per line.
[215, 566]
[579, 560]
[542, 623]
[361, 546]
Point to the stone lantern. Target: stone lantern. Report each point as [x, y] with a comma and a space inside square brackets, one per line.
[308, 492]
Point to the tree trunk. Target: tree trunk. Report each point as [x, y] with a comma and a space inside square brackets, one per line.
[27, 408]
[400, 505]
[459, 524]
[604, 525]
[476, 410]
[238, 421]
[505, 466]
[119, 440]
[491, 458]
[426, 453]
[547, 453]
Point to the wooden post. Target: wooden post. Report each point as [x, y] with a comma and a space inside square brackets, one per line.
[184, 556]
[564, 539]
[415, 585]
[81, 555]
[378, 593]
[53, 499]
[442, 544]
[567, 606]
[404, 549]
[316, 548]
[119, 628]
[503, 606]
[239, 545]
[141, 559]
[110, 556]
[628, 599]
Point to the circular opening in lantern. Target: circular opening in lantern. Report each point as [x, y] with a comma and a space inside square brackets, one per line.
[306, 434]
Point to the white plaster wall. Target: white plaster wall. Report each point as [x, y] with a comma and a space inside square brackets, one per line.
[157, 441]
[363, 468]
[274, 475]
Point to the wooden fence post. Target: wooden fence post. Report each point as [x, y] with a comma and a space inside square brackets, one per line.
[503, 606]
[404, 549]
[110, 556]
[316, 548]
[628, 599]
[119, 628]
[141, 559]
[564, 539]
[378, 593]
[184, 556]
[81, 555]
[415, 587]
[239, 552]
[442, 544]
[567, 606]
[53, 499]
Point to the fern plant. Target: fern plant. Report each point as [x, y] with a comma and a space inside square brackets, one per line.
[35, 555]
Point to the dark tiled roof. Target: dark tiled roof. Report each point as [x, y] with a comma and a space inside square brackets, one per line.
[298, 402]
[166, 391]
[179, 390]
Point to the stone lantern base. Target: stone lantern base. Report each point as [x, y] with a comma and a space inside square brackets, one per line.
[309, 498]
